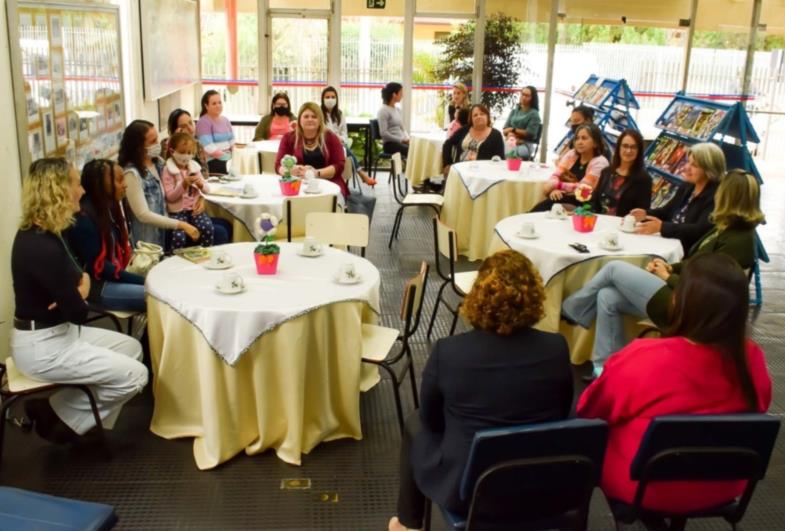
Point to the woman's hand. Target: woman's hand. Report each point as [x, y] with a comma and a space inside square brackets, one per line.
[638, 213]
[217, 154]
[556, 195]
[659, 268]
[548, 186]
[199, 206]
[298, 170]
[189, 229]
[84, 285]
[650, 225]
[506, 131]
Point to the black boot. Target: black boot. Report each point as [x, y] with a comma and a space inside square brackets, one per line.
[47, 424]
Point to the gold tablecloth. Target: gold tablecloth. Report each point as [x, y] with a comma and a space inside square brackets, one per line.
[564, 284]
[425, 156]
[297, 386]
[474, 219]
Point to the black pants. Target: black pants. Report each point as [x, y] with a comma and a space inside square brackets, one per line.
[217, 166]
[396, 147]
[411, 502]
[545, 206]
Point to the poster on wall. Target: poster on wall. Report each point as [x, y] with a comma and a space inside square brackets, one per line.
[67, 78]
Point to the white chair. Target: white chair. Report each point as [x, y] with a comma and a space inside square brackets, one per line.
[378, 341]
[349, 230]
[434, 201]
[445, 245]
[296, 208]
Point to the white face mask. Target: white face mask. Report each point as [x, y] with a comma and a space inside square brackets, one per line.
[182, 158]
[154, 151]
[330, 102]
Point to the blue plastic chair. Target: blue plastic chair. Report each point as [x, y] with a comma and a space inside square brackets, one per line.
[701, 448]
[22, 510]
[536, 476]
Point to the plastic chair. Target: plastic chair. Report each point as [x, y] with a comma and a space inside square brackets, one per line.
[26, 510]
[376, 136]
[378, 341]
[296, 208]
[701, 448]
[536, 476]
[350, 230]
[434, 201]
[445, 245]
[15, 385]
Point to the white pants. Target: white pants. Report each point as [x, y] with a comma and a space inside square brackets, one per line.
[109, 362]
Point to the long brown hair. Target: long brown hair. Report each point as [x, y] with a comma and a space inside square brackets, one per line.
[710, 307]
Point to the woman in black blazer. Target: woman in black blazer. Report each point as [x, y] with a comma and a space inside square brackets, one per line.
[686, 216]
[475, 141]
[625, 184]
[502, 373]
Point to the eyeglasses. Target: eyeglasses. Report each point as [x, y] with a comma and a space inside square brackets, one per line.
[629, 147]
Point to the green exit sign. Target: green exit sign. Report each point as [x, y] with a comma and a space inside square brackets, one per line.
[376, 4]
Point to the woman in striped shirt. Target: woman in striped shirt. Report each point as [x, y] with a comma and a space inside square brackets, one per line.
[215, 133]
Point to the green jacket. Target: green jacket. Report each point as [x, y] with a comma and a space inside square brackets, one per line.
[262, 131]
[737, 242]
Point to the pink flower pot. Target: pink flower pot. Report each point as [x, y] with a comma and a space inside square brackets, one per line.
[584, 223]
[513, 164]
[266, 264]
[290, 188]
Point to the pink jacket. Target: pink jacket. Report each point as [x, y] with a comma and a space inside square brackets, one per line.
[177, 197]
[560, 178]
[670, 376]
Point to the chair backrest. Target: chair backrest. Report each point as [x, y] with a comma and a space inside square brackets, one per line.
[445, 245]
[296, 209]
[533, 472]
[375, 133]
[413, 296]
[338, 228]
[706, 447]
[396, 168]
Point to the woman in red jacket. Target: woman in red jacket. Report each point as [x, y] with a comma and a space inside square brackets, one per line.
[315, 147]
[705, 365]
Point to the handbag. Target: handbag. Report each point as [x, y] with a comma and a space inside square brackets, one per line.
[145, 256]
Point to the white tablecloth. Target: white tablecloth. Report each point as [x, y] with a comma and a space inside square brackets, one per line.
[425, 156]
[479, 176]
[551, 252]
[231, 323]
[269, 200]
[246, 160]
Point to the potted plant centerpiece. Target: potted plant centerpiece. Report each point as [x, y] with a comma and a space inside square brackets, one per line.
[289, 185]
[511, 153]
[583, 219]
[266, 254]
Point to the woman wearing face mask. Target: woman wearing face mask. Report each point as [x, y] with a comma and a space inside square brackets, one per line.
[279, 122]
[180, 121]
[335, 121]
[215, 132]
[140, 158]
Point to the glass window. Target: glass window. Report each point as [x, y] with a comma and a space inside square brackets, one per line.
[446, 6]
[300, 71]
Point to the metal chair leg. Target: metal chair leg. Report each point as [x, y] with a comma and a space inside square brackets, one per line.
[97, 416]
[455, 318]
[6, 405]
[436, 307]
[396, 224]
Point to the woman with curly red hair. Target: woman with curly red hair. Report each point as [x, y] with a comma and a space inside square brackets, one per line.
[502, 373]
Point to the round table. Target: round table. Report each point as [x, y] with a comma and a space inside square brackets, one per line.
[246, 160]
[425, 156]
[478, 194]
[564, 270]
[275, 367]
[242, 213]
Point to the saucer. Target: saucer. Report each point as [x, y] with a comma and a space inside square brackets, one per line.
[609, 248]
[218, 267]
[249, 196]
[527, 237]
[230, 177]
[309, 255]
[313, 191]
[229, 291]
[549, 215]
[628, 231]
[344, 280]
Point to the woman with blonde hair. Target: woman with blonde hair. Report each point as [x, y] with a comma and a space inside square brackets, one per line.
[459, 99]
[518, 375]
[50, 288]
[315, 147]
[687, 216]
[621, 288]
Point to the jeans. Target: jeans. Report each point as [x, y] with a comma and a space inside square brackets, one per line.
[222, 231]
[618, 289]
[109, 362]
[123, 297]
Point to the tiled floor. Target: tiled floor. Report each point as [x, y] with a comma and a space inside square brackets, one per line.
[154, 484]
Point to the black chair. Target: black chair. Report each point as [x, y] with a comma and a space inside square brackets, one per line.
[701, 448]
[376, 137]
[406, 200]
[536, 476]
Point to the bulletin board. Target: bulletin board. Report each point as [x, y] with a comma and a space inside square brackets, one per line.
[66, 63]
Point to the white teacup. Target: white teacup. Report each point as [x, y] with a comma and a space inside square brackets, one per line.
[219, 259]
[610, 239]
[628, 223]
[347, 272]
[249, 189]
[557, 210]
[231, 282]
[527, 229]
[311, 246]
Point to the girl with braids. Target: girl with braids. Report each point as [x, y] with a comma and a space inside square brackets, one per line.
[100, 238]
